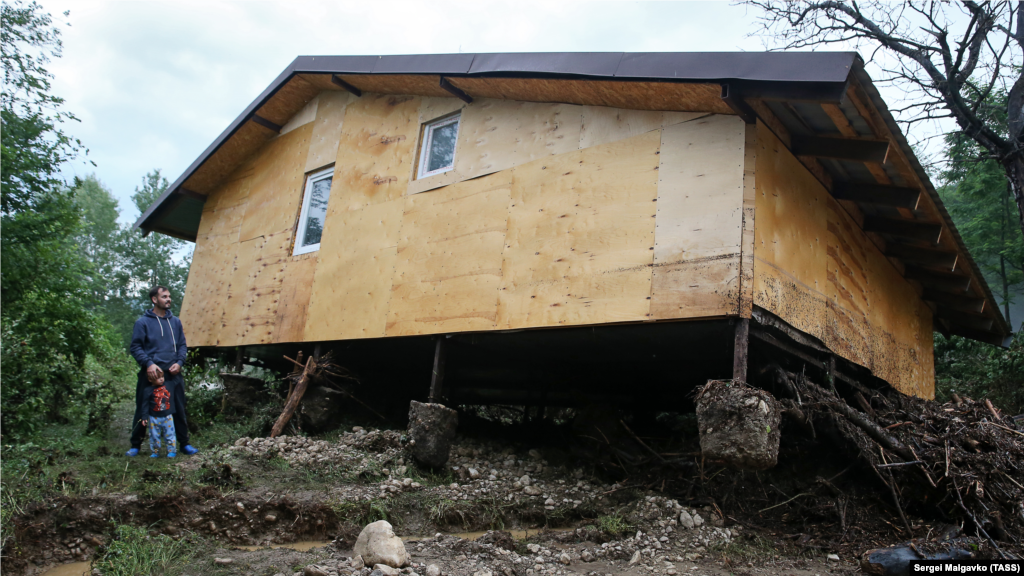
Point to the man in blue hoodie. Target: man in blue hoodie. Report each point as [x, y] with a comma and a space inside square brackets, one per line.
[158, 345]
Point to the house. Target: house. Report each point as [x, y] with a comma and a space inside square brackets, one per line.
[562, 227]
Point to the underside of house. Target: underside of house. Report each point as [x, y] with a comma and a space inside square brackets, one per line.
[609, 228]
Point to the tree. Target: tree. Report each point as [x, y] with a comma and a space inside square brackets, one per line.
[950, 57]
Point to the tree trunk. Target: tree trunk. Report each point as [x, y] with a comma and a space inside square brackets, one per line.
[1014, 166]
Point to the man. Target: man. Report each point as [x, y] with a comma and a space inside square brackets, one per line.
[158, 345]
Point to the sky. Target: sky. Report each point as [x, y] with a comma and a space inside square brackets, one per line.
[154, 83]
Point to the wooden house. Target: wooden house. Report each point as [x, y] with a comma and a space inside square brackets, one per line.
[549, 228]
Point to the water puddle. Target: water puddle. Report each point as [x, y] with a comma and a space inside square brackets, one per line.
[73, 569]
[302, 546]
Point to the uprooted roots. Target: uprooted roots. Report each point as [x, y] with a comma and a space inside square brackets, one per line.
[962, 460]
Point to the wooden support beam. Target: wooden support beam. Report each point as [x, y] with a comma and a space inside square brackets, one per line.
[741, 350]
[962, 303]
[266, 123]
[966, 320]
[841, 148]
[927, 257]
[981, 335]
[939, 281]
[239, 358]
[911, 229]
[437, 377]
[455, 91]
[878, 194]
[339, 82]
[733, 99]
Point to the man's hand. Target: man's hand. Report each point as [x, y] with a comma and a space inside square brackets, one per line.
[174, 369]
[154, 372]
[145, 423]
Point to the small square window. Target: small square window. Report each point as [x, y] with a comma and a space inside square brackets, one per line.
[314, 211]
[437, 155]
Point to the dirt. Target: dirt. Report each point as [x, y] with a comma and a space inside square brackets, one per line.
[661, 503]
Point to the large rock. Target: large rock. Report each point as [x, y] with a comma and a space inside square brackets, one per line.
[432, 427]
[377, 544]
[320, 409]
[243, 393]
[738, 425]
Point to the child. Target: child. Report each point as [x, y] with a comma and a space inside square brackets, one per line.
[156, 402]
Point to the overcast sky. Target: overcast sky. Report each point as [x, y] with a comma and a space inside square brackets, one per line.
[155, 82]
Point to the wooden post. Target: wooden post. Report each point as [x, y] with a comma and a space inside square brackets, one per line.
[239, 357]
[740, 350]
[437, 377]
[294, 399]
[316, 351]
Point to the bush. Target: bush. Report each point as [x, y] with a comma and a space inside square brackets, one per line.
[133, 551]
[980, 371]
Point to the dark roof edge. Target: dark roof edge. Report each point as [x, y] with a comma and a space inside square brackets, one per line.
[876, 99]
[787, 68]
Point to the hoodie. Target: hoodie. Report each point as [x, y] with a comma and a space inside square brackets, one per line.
[159, 341]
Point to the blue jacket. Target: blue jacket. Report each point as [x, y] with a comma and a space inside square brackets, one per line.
[159, 341]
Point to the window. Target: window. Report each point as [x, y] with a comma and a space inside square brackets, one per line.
[437, 154]
[314, 211]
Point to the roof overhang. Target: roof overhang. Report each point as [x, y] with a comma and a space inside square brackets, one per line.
[822, 105]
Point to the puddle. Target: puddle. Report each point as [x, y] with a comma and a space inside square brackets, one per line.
[73, 569]
[303, 546]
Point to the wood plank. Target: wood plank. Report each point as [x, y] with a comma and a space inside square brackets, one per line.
[449, 258]
[499, 134]
[910, 229]
[330, 118]
[927, 257]
[840, 148]
[746, 289]
[352, 282]
[848, 290]
[375, 152]
[955, 302]
[275, 192]
[302, 117]
[296, 288]
[602, 125]
[699, 219]
[878, 194]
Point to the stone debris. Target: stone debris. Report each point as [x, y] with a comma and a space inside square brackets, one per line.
[432, 427]
[377, 544]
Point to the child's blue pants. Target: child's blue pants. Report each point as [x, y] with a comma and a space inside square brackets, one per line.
[162, 426]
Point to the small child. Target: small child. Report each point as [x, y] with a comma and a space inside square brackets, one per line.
[156, 402]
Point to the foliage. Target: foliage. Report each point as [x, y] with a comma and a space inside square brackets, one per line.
[126, 264]
[980, 371]
[133, 551]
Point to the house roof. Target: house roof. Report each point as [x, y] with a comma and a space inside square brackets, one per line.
[822, 105]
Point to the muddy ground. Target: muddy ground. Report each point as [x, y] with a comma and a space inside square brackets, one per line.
[591, 510]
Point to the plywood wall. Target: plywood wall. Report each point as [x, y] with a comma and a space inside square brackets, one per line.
[815, 268]
[554, 215]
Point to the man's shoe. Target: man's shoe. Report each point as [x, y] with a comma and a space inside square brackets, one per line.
[189, 449]
[154, 455]
[132, 453]
[171, 454]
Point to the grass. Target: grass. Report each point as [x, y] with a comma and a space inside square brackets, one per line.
[747, 548]
[614, 525]
[133, 551]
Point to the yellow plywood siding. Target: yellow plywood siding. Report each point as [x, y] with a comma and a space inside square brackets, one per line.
[275, 190]
[700, 219]
[817, 270]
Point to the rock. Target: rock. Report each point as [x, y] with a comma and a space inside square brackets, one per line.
[586, 556]
[376, 573]
[482, 573]
[549, 502]
[315, 570]
[564, 558]
[242, 393]
[738, 424]
[377, 544]
[433, 570]
[833, 557]
[697, 520]
[385, 570]
[270, 518]
[240, 507]
[319, 409]
[685, 520]
[222, 561]
[432, 427]
[525, 480]
[357, 562]
[474, 474]
[532, 491]
[535, 455]
[635, 558]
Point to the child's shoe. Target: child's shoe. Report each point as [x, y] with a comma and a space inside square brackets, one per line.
[154, 455]
[171, 454]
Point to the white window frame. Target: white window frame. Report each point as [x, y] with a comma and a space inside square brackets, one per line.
[303, 215]
[428, 139]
